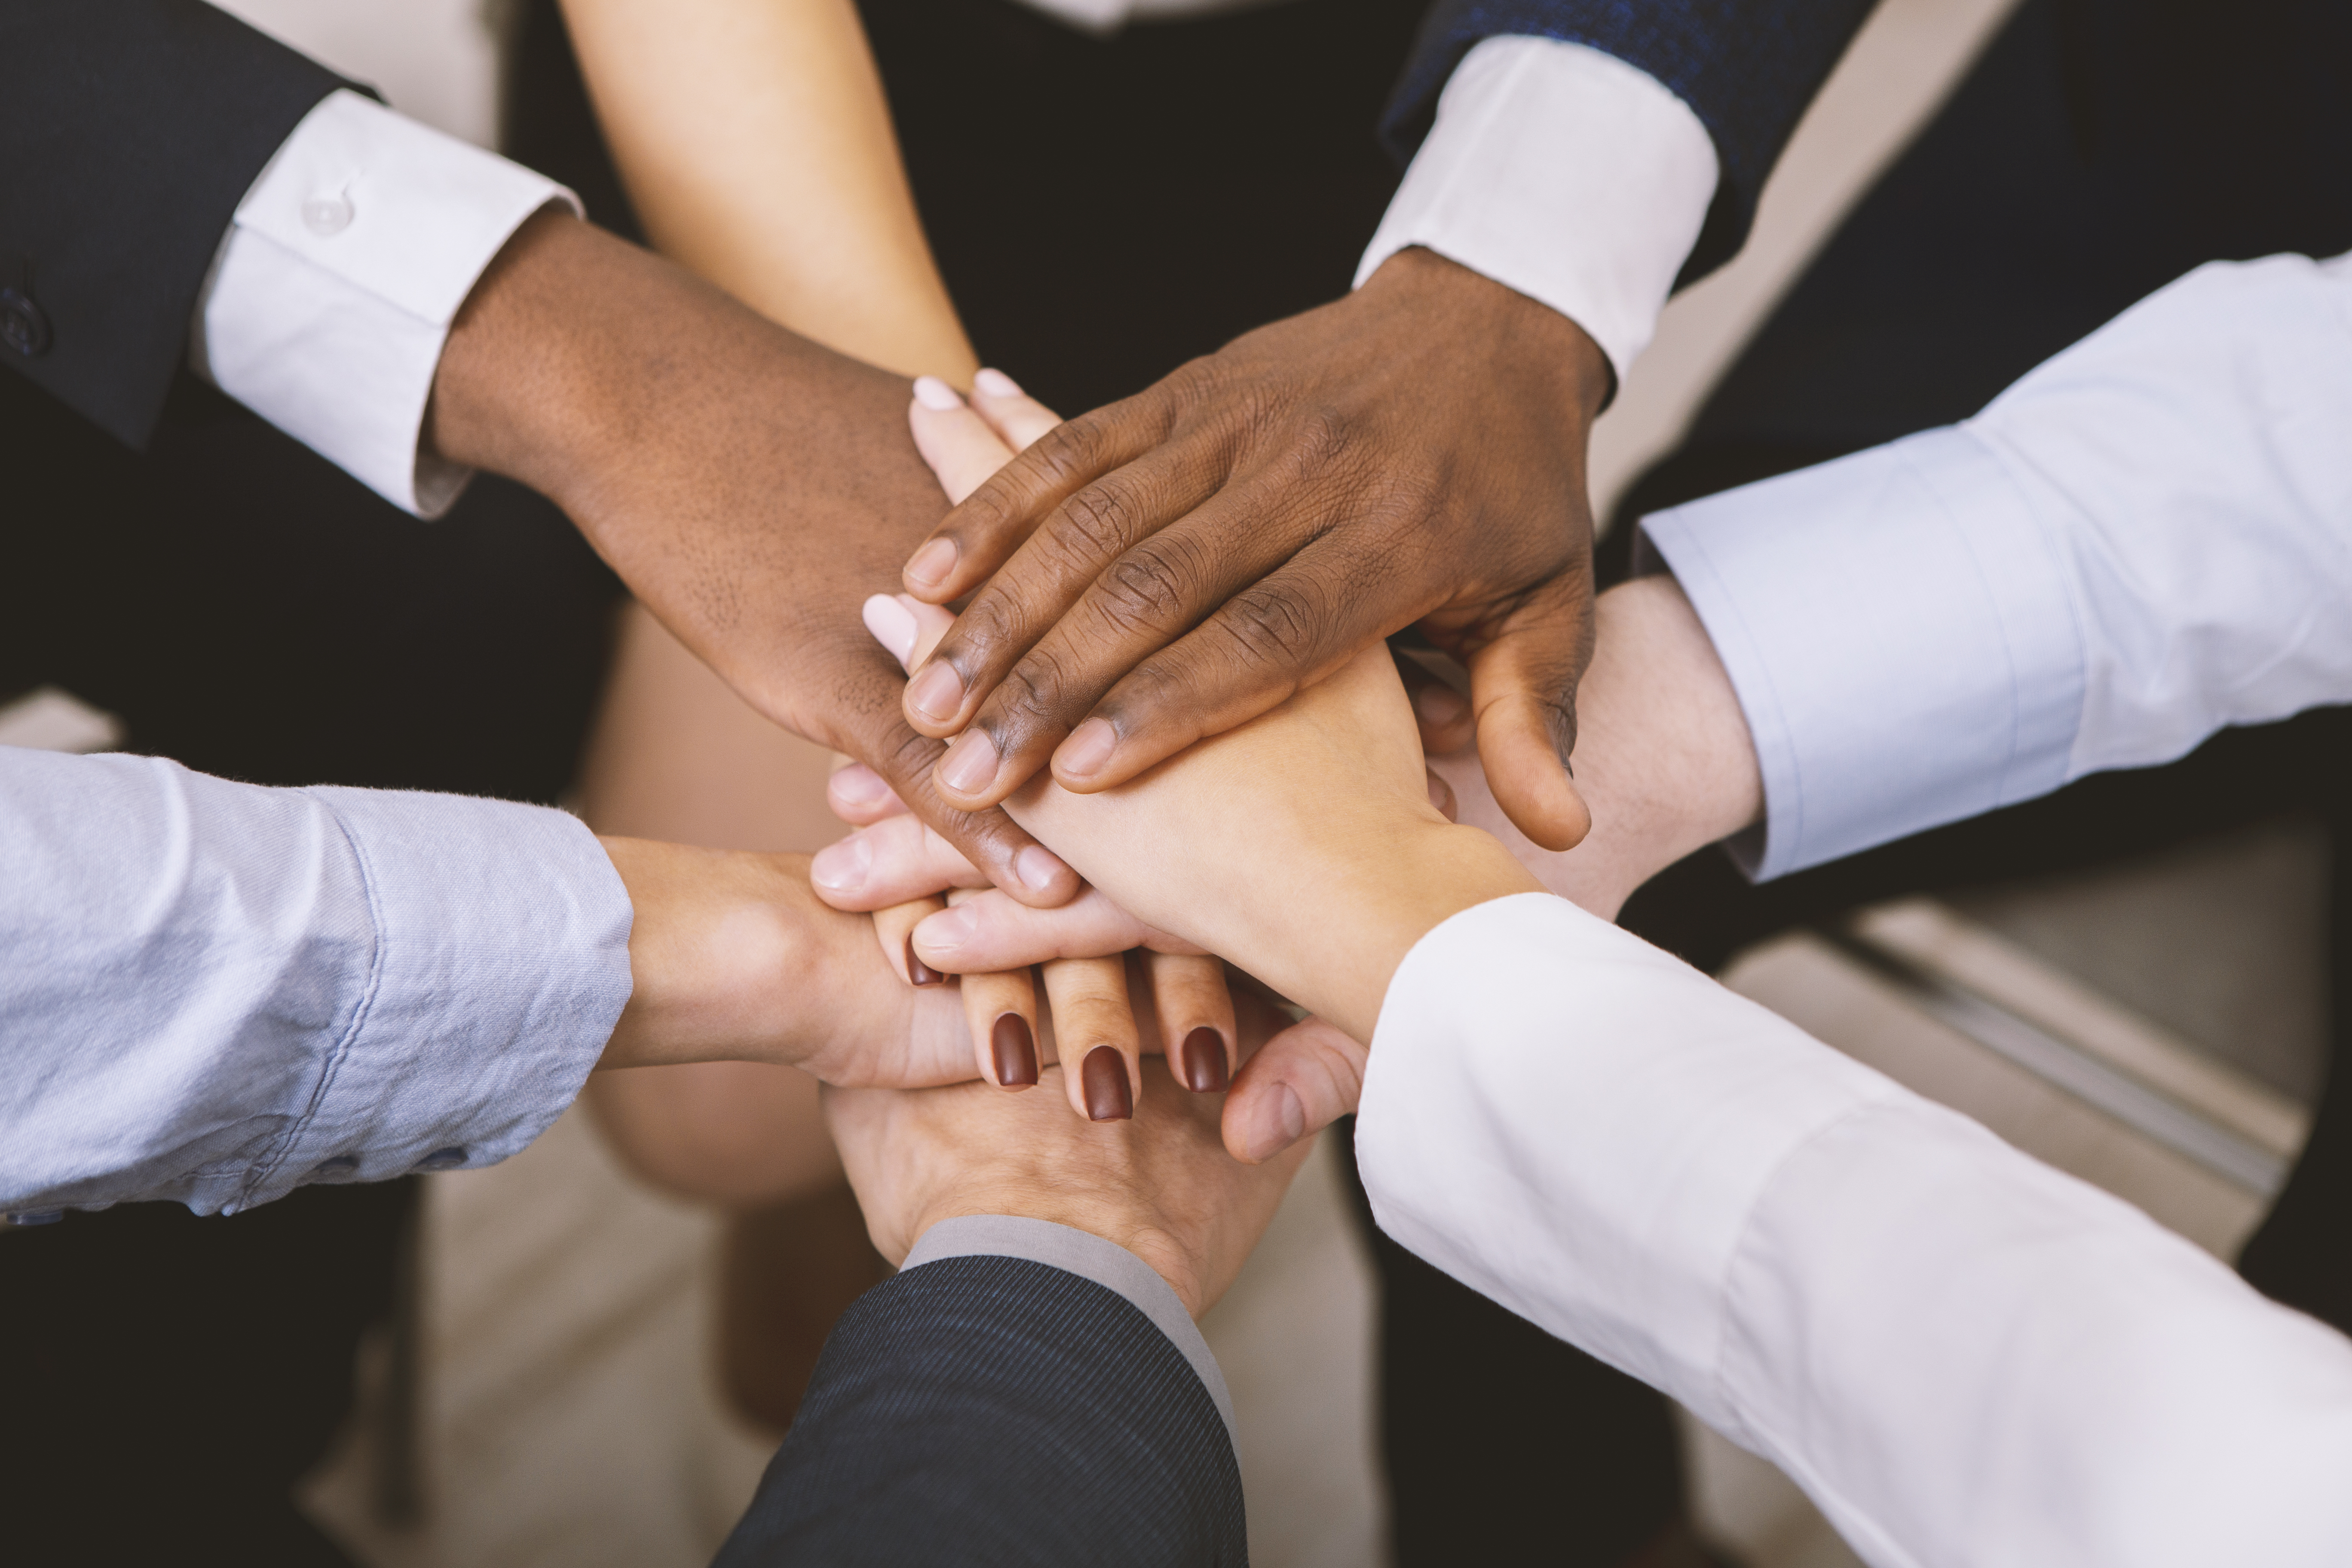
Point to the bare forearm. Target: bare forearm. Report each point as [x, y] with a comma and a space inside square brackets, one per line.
[758, 150]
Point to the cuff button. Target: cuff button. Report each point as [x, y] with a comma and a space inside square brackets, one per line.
[327, 215]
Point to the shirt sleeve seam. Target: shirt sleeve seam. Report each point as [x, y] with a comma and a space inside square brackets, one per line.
[343, 1045]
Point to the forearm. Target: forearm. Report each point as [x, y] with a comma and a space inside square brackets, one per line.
[1917, 1321]
[737, 477]
[757, 150]
[2142, 541]
[916, 1442]
[217, 991]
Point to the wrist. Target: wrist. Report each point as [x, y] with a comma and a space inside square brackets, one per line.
[714, 946]
[1107, 1215]
[1376, 896]
[1664, 754]
[1549, 355]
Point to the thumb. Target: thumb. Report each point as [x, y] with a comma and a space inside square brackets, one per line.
[1523, 690]
[1298, 1082]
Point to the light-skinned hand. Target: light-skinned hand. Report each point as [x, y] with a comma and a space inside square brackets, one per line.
[1158, 1185]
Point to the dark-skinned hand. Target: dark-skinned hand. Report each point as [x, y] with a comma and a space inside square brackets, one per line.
[1169, 566]
[751, 487]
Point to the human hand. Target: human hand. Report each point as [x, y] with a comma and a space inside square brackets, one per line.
[732, 958]
[1160, 1184]
[1175, 563]
[750, 487]
[1663, 754]
[1087, 985]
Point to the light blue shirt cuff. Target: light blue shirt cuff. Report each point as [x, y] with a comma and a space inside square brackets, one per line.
[216, 992]
[1899, 631]
[502, 967]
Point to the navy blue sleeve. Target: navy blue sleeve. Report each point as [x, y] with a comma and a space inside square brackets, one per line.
[983, 1410]
[129, 131]
[1747, 67]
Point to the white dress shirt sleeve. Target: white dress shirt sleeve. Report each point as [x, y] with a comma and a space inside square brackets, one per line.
[327, 308]
[1562, 172]
[214, 993]
[1966, 1358]
[2144, 540]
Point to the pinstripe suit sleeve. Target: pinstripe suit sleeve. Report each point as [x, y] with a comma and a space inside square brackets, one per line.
[988, 1409]
[1747, 67]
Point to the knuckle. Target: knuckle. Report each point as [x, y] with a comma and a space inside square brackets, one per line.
[1151, 585]
[1102, 520]
[1273, 625]
[1031, 696]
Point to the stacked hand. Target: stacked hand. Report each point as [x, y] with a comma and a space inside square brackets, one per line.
[1171, 565]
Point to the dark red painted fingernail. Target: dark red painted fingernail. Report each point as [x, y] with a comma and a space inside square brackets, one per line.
[918, 972]
[1105, 1081]
[1014, 1049]
[1203, 1057]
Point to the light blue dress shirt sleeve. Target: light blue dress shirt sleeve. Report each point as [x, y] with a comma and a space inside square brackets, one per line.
[2147, 538]
[215, 993]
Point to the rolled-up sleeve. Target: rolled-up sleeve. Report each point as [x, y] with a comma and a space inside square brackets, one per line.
[214, 993]
[2144, 540]
[334, 293]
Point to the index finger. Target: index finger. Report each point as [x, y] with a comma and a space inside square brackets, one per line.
[988, 525]
[1002, 850]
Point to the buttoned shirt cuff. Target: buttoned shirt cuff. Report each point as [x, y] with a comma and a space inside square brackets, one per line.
[1562, 172]
[501, 938]
[1899, 629]
[1082, 1253]
[327, 305]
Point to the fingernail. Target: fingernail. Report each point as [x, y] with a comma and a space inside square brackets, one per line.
[1440, 704]
[892, 624]
[1281, 1124]
[843, 867]
[1038, 868]
[1105, 1081]
[932, 563]
[933, 393]
[918, 972]
[937, 692]
[1014, 1051]
[859, 785]
[1204, 1060]
[945, 932]
[970, 763]
[1087, 749]
[996, 384]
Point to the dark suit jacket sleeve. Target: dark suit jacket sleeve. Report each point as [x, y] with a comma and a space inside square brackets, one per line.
[983, 1410]
[129, 131]
[1747, 67]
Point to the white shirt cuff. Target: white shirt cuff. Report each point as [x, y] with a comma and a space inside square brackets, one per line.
[1898, 627]
[335, 287]
[1562, 172]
